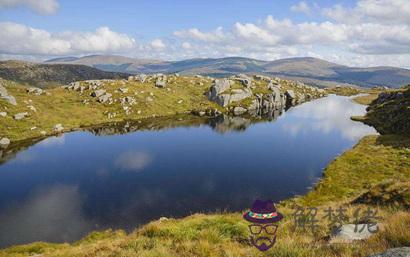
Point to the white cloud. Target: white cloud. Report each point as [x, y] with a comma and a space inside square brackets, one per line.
[301, 7]
[186, 45]
[44, 7]
[214, 36]
[157, 44]
[21, 39]
[377, 11]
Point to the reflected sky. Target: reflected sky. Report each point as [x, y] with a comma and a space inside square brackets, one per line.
[62, 188]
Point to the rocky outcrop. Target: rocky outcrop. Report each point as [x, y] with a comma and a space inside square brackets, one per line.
[394, 252]
[221, 94]
[390, 112]
[5, 95]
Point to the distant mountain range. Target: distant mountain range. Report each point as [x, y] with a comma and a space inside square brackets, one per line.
[307, 69]
[50, 75]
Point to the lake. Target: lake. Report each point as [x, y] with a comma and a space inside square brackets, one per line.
[124, 175]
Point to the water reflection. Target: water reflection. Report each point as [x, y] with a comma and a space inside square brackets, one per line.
[133, 160]
[167, 167]
[329, 115]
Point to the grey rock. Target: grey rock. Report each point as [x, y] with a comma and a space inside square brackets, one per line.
[160, 83]
[98, 93]
[5, 95]
[58, 128]
[104, 98]
[4, 142]
[394, 252]
[239, 110]
[141, 78]
[222, 100]
[34, 91]
[123, 90]
[347, 233]
[20, 116]
[219, 86]
[239, 95]
[290, 94]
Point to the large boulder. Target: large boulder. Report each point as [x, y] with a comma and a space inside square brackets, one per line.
[219, 86]
[394, 252]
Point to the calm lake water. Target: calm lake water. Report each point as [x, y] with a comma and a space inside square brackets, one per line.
[63, 187]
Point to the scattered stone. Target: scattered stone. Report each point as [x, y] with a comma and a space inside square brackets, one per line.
[180, 101]
[33, 128]
[58, 128]
[104, 98]
[34, 91]
[347, 233]
[4, 142]
[3, 114]
[239, 110]
[163, 219]
[141, 78]
[20, 116]
[98, 93]
[160, 83]
[149, 99]
[123, 90]
[32, 108]
[43, 133]
[394, 252]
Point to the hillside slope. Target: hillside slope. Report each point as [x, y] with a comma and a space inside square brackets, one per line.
[306, 69]
[49, 75]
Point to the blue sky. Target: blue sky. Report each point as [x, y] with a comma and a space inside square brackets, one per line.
[358, 33]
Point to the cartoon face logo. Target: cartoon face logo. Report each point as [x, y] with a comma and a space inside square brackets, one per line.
[263, 216]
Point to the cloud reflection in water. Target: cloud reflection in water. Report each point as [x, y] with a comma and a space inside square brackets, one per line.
[326, 115]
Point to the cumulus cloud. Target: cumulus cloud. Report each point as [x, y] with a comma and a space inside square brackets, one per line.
[378, 11]
[21, 39]
[213, 36]
[369, 28]
[43, 7]
[301, 7]
[157, 44]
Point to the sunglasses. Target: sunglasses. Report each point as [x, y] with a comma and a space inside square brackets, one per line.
[256, 229]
